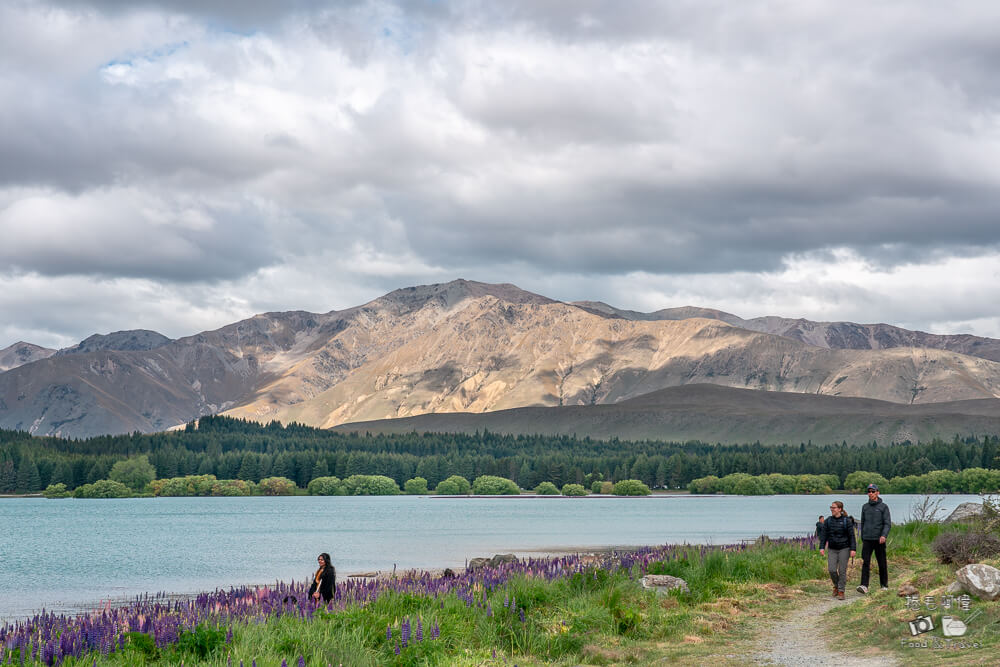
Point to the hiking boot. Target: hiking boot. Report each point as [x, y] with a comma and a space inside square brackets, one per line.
[835, 590]
[863, 589]
[840, 595]
[884, 588]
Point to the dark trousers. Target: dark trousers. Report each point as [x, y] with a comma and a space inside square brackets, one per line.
[867, 547]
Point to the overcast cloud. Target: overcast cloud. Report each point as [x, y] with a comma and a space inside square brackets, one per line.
[179, 165]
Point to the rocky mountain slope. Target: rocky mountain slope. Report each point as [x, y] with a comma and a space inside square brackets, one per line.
[712, 413]
[834, 335]
[455, 347]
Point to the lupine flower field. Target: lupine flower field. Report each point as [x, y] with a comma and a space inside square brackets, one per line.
[414, 618]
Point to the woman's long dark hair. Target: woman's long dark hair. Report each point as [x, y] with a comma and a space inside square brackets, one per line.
[326, 559]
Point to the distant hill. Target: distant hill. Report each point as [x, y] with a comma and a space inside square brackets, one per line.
[22, 353]
[469, 347]
[711, 413]
[137, 339]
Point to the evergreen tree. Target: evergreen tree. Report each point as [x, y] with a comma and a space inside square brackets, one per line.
[28, 479]
[8, 476]
[320, 469]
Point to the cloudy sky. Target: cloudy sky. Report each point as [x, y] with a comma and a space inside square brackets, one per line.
[180, 164]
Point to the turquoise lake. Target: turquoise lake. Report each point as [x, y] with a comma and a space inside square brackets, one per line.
[68, 555]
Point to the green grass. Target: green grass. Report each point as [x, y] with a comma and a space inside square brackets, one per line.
[880, 619]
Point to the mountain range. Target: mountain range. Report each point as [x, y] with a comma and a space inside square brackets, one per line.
[468, 347]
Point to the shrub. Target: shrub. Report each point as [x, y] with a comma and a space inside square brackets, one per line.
[811, 484]
[607, 488]
[547, 489]
[858, 480]
[56, 491]
[596, 487]
[233, 487]
[752, 486]
[489, 485]
[832, 481]
[447, 488]
[630, 487]
[962, 548]
[709, 484]
[458, 482]
[941, 481]
[907, 484]
[371, 485]
[103, 488]
[416, 486]
[190, 485]
[574, 490]
[134, 473]
[728, 483]
[326, 486]
[979, 480]
[277, 486]
[781, 483]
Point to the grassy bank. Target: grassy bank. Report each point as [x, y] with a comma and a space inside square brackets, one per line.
[551, 611]
[880, 620]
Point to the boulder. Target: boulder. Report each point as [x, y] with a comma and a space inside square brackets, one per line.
[954, 587]
[503, 558]
[497, 560]
[664, 583]
[477, 563]
[964, 512]
[980, 580]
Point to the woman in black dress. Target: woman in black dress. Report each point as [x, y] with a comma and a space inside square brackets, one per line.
[325, 580]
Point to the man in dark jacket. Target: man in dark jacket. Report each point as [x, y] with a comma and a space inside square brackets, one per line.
[875, 525]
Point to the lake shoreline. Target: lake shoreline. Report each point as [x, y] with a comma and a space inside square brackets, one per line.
[88, 608]
[116, 550]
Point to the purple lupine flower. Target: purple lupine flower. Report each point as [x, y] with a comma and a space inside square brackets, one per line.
[283, 663]
[489, 610]
[388, 632]
[521, 614]
[404, 631]
[396, 650]
[302, 661]
[420, 630]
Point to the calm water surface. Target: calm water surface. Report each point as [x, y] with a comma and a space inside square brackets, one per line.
[65, 555]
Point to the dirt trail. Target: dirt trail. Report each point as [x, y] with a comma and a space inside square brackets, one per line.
[798, 640]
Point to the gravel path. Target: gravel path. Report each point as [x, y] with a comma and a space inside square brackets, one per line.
[798, 640]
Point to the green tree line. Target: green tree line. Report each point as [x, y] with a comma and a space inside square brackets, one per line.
[235, 449]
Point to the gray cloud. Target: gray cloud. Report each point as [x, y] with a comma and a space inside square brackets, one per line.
[237, 148]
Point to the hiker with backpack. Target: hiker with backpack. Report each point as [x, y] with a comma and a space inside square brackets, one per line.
[839, 544]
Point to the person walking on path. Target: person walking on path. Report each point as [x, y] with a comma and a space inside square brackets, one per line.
[839, 544]
[325, 580]
[819, 527]
[875, 525]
